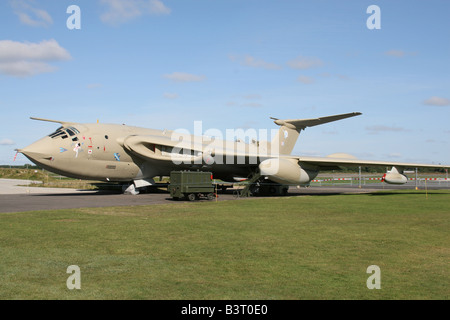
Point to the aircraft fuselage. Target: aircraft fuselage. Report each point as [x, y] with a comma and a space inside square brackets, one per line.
[101, 152]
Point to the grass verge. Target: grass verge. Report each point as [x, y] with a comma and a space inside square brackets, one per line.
[307, 247]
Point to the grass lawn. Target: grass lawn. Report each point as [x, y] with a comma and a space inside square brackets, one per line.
[304, 247]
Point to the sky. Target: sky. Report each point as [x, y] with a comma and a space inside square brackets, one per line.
[164, 64]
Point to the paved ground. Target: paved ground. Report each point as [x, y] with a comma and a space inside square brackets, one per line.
[15, 198]
[15, 186]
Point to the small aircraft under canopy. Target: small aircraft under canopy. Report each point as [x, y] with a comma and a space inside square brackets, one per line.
[134, 156]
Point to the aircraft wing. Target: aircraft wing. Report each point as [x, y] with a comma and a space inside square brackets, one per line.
[335, 163]
[144, 147]
[147, 147]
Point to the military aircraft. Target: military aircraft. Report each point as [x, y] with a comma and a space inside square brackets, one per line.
[133, 156]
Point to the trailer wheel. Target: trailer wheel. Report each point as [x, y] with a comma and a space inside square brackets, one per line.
[191, 197]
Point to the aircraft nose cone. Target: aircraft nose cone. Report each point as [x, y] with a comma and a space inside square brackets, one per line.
[37, 151]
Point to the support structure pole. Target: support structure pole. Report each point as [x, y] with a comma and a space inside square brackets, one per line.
[417, 187]
[360, 177]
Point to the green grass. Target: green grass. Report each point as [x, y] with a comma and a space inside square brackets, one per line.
[307, 247]
[46, 179]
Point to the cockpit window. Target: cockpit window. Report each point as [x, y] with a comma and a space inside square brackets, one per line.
[64, 132]
[57, 133]
[74, 130]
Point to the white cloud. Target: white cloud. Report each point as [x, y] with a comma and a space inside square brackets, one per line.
[329, 75]
[120, 11]
[249, 125]
[252, 96]
[399, 53]
[395, 155]
[244, 105]
[246, 101]
[305, 79]
[332, 131]
[157, 7]
[30, 15]
[23, 59]
[7, 142]
[298, 63]
[305, 63]
[25, 68]
[184, 77]
[343, 77]
[251, 61]
[47, 50]
[252, 105]
[171, 96]
[94, 85]
[378, 128]
[258, 63]
[395, 53]
[437, 101]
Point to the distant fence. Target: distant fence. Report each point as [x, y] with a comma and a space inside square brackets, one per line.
[355, 180]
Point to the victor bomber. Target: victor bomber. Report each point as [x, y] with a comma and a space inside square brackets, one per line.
[134, 156]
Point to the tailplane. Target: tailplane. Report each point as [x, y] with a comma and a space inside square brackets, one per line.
[286, 137]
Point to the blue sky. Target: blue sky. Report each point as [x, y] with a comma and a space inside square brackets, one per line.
[232, 64]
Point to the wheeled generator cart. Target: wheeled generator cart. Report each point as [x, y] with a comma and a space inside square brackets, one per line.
[191, 185]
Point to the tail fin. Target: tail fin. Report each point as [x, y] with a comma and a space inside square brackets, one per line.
[286, 137]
